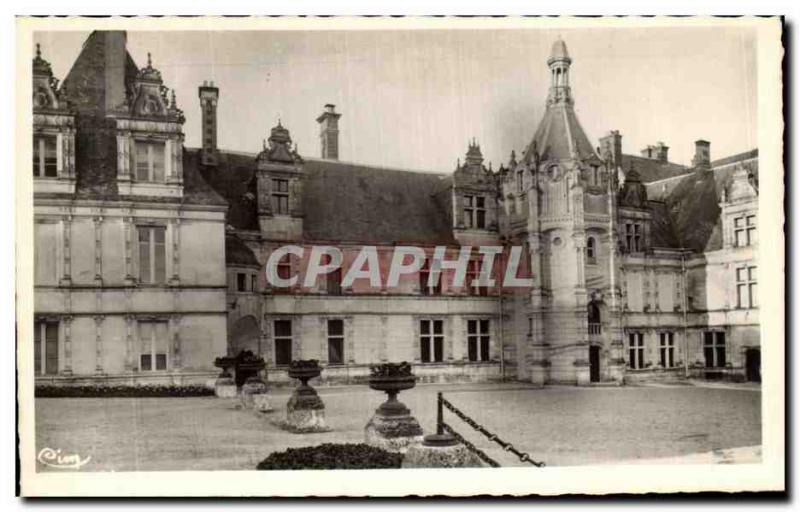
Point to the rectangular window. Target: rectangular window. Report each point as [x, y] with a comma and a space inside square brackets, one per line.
[45, 348]
[667, 349]
[424, 277]
[478, 340]
[472, 280]
[480, 212]
[152, 346]
[149, 160]
[714, 348]
[744, 231]
[283, 342]
[241, 282]
[45, 156]
[474, 212]
[636, 350]
[335, 342]
[469, 211]
[280, 197]
[746, 287]
[284, 268]
[152, 254]
[634, 239]
[431, 341]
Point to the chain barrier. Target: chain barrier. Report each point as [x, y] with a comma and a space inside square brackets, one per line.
[524, 457]
[471, 447]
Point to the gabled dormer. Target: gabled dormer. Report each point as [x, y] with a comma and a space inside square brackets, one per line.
[739, 207]
[149, 130]
[53, 132]
[635, 215]
[280, 187]
[474, 194]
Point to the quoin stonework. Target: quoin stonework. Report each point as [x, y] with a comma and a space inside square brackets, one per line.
[150, 255]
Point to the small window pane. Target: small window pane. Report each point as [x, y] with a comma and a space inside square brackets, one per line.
[283, 351]
[336, 351]
[335, 328]
[283, 328]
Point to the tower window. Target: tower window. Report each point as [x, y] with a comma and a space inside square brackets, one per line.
[591, 250]
[633, 237]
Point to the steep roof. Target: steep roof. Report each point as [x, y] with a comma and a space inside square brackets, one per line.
[559, 134]
[343, 201]
[97, 82]
[691, 211]
[237, 253]
[652, 170]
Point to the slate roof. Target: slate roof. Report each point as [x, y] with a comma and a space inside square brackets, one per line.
[238, 254]
[343, 202]
[690, 216]
[558, 133]
[652, 170]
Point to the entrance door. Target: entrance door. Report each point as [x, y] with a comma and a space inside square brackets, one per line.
[753, 364]
[594, 364]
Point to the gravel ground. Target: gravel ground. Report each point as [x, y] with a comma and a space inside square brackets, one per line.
[558, 425]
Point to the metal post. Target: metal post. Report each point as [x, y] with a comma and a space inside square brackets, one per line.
[440, 438]
[439, 415]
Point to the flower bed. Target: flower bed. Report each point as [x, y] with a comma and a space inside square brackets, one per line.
[50, 391]
[332, 456]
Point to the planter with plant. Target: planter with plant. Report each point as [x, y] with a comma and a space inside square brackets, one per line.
[392, 427]
[305, 411]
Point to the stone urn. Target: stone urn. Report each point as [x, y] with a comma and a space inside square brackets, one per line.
[392, 427]
[305, 411]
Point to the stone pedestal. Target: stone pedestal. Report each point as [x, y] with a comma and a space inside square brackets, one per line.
[225, 387]
[445, 456]
[305, 411]
[394, 432]
[253, 387]
[261, 403]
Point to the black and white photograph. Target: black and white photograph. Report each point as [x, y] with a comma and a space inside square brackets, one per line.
[511, 248]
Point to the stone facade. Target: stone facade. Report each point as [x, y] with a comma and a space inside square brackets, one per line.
[642, 268]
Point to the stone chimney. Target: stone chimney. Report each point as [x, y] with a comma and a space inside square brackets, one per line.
[658, 152]
[209, 95]
[702, 154]
[611, 145]
[329, 132]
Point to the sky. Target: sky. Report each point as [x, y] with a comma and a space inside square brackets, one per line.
[413, 99]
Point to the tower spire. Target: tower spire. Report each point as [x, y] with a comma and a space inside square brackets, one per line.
[559, 63]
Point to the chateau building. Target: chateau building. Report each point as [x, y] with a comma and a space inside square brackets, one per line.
[150, 255]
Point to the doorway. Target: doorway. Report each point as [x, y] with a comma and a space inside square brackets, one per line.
[594, 364]
[752, 363]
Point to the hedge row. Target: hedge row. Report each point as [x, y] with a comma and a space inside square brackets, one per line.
[99, 391]
[332, 456]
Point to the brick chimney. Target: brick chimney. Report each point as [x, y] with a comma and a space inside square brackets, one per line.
[702, 154]
[658, 152]
[329, 132]
[209, 95]
[612, 144]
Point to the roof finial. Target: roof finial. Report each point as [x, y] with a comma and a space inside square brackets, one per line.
[279, 123]
[38, 51]
[149, 60]
[174, 101]
[264, 143]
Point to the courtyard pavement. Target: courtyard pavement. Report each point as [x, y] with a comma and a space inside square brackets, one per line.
[560, 425]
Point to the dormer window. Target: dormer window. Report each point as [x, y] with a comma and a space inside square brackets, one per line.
[474, 212]
[280, 197]
[744, 229]
[149, 161]
[633, 237]
[45, 156]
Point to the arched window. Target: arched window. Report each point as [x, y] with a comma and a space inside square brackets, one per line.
[591, 250]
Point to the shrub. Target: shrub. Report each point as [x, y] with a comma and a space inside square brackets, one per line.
[100, 391]
[391, 370]
[332, 456]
